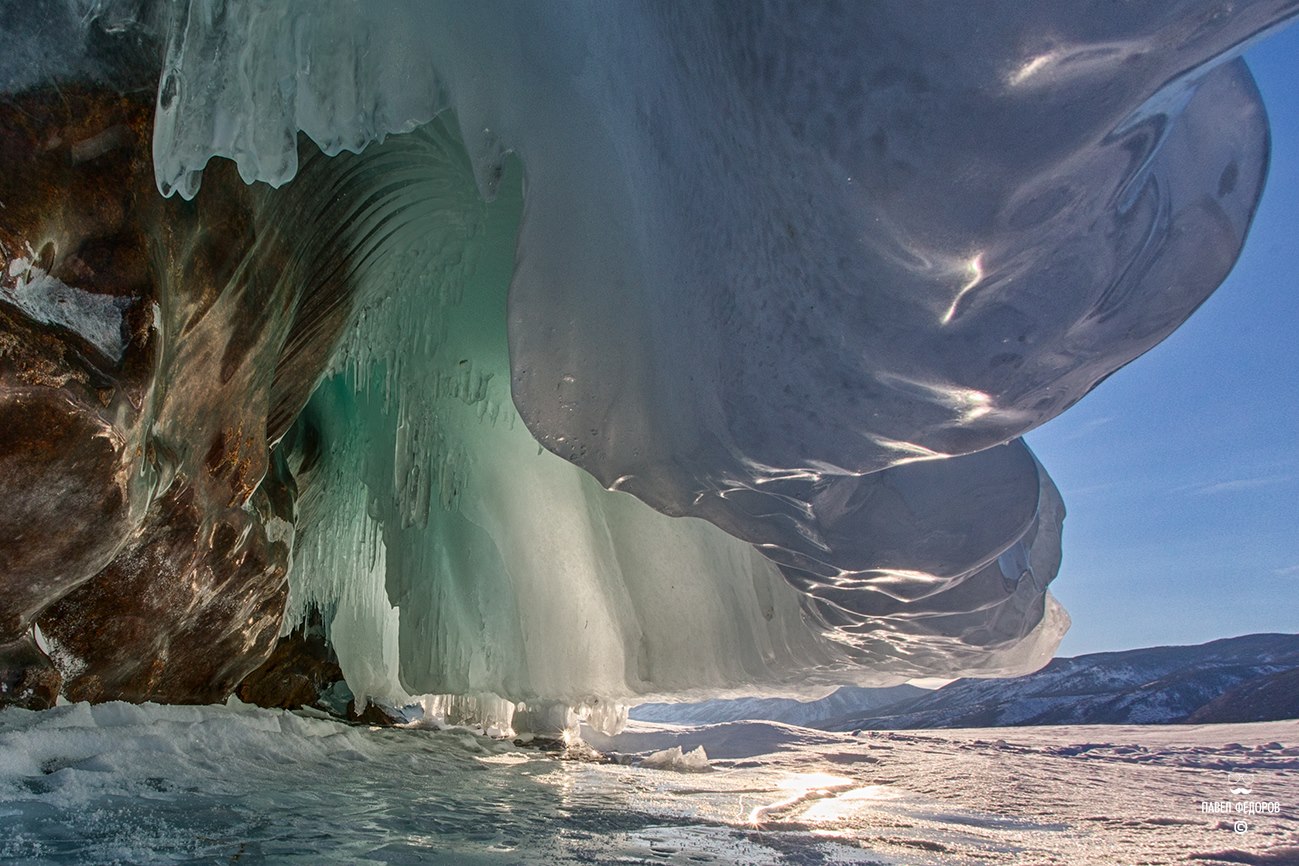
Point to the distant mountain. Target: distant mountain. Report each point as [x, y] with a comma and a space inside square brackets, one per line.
[1249, 678]
[1258, 700]
[844, 701]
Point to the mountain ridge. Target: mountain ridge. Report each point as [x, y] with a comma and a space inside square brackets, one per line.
[1253, 677]
[1151, 685]
[843, 701]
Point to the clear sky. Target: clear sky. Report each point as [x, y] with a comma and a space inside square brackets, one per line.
[1181, 471]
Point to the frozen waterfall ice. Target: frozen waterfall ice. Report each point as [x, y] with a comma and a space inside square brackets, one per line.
[685, 347]
[457, 556]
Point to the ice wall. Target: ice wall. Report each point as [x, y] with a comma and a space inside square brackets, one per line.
[455, 556]
[805, 271]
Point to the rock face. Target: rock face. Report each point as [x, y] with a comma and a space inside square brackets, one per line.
[27, 676]
[152, 352]
[184, 613]
[78, 347]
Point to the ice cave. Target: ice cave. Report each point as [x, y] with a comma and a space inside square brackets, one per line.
[525, 361]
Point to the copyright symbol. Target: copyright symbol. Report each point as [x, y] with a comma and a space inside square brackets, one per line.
[1241, 826]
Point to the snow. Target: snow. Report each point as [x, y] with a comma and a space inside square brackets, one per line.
[97, 319]
[158, 784]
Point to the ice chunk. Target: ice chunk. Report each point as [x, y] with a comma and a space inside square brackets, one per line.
[673, 758]
[488, 713]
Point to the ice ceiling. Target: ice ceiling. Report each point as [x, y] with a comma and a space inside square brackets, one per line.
[659, 346]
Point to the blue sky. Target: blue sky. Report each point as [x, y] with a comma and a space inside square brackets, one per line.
[1181, 471]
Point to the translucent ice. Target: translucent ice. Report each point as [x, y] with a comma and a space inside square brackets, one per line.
[454, 556]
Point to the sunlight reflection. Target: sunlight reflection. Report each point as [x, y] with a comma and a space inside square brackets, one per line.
[803, 787]
[974, 268]
[1031, 68]
[847, 804]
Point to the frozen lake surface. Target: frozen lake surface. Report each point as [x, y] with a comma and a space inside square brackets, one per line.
[116, 783]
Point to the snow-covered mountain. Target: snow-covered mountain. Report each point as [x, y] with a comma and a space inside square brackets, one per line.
[1156, 685]
[847, 700]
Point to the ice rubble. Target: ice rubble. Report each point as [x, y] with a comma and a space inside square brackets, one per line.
[805, 272]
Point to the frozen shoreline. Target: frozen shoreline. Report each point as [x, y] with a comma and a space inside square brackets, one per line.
[155, 784]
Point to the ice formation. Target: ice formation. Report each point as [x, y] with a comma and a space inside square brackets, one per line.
[688, 346]
[460, 558]
[674, 758]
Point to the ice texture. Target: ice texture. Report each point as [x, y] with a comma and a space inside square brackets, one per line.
[804, 271]
[96, 318]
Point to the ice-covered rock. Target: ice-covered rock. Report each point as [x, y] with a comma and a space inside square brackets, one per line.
[802, 272]
[151, 353]
[717, 383]
[119, 441]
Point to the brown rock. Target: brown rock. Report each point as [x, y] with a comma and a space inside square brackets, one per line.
[373, 714]
[27, 678]
[77, 351]
[301, 667]
[183, 614]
